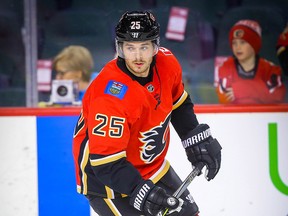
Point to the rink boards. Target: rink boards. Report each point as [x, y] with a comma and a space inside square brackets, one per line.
[37, 171]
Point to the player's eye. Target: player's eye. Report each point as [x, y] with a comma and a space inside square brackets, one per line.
[131, 49]
[144, 48]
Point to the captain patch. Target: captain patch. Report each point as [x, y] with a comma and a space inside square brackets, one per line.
[116, 89]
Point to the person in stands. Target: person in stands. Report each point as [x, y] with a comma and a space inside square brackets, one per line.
[245, 77]
[74, 63]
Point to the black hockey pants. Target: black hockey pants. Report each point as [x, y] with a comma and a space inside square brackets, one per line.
[120, 206]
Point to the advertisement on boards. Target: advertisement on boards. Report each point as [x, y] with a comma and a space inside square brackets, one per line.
[37, 166]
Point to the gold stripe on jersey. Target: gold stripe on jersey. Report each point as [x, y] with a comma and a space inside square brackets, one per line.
[108, 159]
[109, 192]
[84, 161]
[112, 207]
[161, 172]
[180, 100]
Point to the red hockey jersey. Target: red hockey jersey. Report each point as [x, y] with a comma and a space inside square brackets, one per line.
[265, 87]
[123, 119]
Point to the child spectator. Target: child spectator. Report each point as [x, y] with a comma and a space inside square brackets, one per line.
[245, 77]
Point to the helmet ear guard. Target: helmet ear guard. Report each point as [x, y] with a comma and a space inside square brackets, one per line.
[119, 48]
[156, 46]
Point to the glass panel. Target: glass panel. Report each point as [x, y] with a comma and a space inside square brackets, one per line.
[12, 59]
[61, 23]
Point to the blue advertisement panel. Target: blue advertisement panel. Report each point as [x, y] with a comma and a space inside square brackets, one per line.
[56, 178]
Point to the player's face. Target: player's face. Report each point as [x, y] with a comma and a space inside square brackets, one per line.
[138, 56]
[242, 50]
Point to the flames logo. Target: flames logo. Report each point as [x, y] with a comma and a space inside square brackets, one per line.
[154, 141]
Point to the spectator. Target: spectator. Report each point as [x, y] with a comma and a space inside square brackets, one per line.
[74, 63]
[282, 50]
[245, 77]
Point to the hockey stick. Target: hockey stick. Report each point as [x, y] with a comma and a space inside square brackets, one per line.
[184, 185]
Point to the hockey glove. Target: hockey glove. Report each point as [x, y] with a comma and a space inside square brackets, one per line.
[200, 146]
[150, 198]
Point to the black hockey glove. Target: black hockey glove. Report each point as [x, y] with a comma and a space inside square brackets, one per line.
[151, 199]
[200, 146]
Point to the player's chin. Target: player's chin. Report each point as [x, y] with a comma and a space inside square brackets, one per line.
[140, 69]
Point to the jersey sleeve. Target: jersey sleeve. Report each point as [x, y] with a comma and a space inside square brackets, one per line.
[178, 87]
[175, 74]
[183, 117]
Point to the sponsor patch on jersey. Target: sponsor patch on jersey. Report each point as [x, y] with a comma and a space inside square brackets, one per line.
[116, 89]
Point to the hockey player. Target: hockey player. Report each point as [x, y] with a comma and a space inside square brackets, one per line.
[122, 135]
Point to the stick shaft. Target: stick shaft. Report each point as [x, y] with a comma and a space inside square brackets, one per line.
[188, 180]
[185, 184]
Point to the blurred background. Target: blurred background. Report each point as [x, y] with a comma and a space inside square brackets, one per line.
[33, 30]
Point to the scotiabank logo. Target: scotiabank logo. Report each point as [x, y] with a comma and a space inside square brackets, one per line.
[274, 159]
